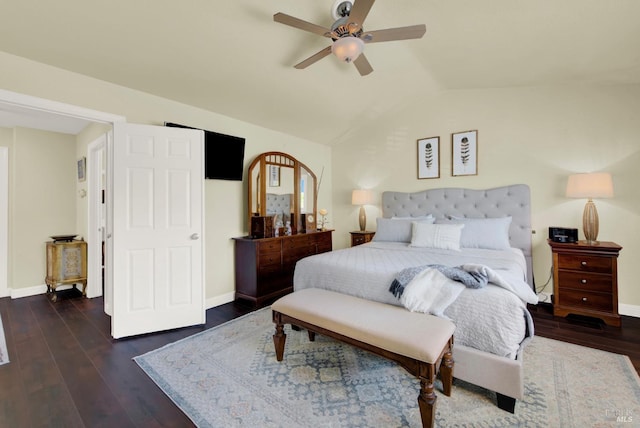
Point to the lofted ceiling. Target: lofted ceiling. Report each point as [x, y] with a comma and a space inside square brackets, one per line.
[230, 57]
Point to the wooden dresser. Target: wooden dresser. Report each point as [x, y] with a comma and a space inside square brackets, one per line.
[585, 280]
[264, 267]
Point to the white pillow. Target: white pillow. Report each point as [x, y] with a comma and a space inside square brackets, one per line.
[488, 233]
[393, 230]
[428, 217]
[442, 236]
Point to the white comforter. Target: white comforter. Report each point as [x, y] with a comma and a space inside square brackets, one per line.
[490, 319]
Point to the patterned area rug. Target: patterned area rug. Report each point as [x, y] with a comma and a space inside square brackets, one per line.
[4, 354]
[228, 376]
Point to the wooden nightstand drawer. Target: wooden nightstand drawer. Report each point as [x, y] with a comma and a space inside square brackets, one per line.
[358, 240]
[585, 263]
[586, 300]
[359, 237]
[584, 281]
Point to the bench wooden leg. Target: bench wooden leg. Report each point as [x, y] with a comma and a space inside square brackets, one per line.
[446, 373]
[312, 335]
[427, 402]
[278, 340]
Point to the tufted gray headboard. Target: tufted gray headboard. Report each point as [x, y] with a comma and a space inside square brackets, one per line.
[279, 204]
[514, 201]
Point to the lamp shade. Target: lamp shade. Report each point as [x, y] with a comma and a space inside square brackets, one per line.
[362, 197]
[347, 48]
[591, 185]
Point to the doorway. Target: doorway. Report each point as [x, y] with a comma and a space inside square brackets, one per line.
[40, 107]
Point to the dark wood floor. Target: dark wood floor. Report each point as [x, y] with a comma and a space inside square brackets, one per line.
[66, 371]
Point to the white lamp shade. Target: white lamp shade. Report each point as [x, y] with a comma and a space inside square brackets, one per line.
[347, 48]
[362, 197]
[591, 185]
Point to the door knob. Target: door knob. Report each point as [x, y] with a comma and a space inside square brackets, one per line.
[195, 236]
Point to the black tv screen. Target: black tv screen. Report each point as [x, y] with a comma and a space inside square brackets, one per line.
[223, 154]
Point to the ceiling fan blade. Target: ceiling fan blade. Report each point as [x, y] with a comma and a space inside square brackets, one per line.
[292, 21]
[391, 34]
[359, 11]
[362, 64]
[314, 58]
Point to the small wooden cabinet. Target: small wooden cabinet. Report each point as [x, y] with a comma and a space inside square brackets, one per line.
[66, 265]
[264, 267]
[585, 279]
[360, 237]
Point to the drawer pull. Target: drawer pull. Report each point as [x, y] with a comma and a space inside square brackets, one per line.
[584, 299]
[583, 263]
[584, 281]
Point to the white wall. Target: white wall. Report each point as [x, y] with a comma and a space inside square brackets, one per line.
[225, 201]
[536, 136]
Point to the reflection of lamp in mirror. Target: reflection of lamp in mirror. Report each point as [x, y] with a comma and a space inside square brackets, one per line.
[362, 197]
[592, 185]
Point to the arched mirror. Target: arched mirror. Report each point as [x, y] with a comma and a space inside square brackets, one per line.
[284, 188]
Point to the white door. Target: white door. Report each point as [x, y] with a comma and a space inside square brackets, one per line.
[4, 221]
[156, 229]
[96, 223]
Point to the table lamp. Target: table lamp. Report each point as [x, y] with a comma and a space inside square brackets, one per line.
[591, 185]
[362, 197]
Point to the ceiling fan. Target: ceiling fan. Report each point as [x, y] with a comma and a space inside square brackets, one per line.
[348, 34]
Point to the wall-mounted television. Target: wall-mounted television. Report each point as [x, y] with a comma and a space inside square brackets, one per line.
[223, 154]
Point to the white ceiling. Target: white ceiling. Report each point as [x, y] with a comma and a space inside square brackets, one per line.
[232, 58]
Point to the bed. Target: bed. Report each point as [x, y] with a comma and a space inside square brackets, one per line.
[280, 206]
[493, 324]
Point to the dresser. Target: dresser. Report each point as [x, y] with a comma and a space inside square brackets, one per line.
[361, 237]
[66, 265]
[264, 267]
[585, 279]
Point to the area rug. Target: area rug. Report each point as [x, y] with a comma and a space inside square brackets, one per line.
[4, 354]
[228, 376]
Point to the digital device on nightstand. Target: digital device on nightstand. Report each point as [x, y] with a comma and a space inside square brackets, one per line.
[563, 234]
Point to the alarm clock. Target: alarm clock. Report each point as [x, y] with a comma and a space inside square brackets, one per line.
[306, 223]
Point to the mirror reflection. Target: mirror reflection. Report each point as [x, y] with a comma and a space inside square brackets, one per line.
[284, 189]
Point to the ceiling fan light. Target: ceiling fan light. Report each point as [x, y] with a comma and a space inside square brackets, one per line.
[348, 48]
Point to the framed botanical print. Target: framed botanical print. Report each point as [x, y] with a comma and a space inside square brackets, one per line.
[274, 176]
[82, 168]
[464, 153]
[429, 157]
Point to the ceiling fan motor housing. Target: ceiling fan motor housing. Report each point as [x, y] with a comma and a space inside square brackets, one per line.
[343, 28]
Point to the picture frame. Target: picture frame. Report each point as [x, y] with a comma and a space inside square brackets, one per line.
[82, 169]
[274, 176]
[464, 153]
[429, 158]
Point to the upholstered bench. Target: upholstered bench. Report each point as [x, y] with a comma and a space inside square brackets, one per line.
[421, 343]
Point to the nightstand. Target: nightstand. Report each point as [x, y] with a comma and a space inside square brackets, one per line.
[359, 237]
[585, 280]
[66, 265]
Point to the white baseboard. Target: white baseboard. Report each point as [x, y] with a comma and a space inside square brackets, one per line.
[630, 310]
[17, 293]
[220, 300]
